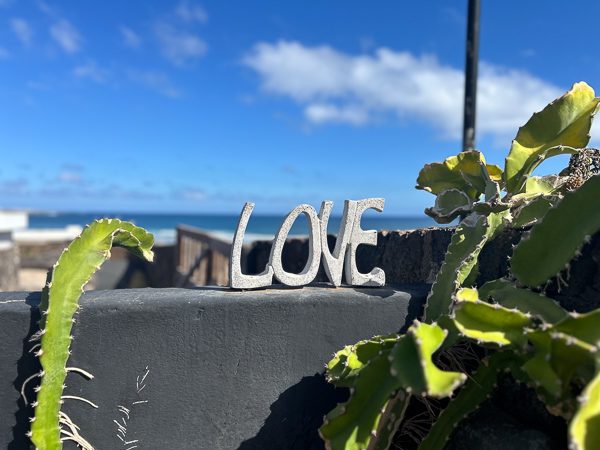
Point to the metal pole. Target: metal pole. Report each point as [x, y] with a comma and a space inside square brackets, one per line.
[471, 75]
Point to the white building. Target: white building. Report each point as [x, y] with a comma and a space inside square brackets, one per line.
[10, 222]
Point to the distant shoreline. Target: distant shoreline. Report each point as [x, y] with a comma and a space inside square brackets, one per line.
[260, 227]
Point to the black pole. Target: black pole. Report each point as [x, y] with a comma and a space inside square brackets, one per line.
[471, 75]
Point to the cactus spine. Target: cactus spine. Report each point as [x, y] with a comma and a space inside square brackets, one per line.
[50, 426]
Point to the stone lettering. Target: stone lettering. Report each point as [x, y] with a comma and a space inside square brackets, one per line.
[309, 272]
[353, 277]
[334, 263]
[344, 254]
[237, 279]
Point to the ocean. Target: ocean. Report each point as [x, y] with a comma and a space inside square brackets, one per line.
[163, 226]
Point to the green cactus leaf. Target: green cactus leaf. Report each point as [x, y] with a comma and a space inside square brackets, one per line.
[539, 368]
[565, 354]
[338, 368]
[467, 295]
[485, 290]
[488, 179]
[413, 364]
[492, 203]
[563, 123]
[547, 185]
[453, 335]
[585, 327]
[462, 253]
[440, 383]
[406, 366]
[349, 361]
[460, 264]
[471, 278]
[479, 387]
[533, 210]
[489, 324]
[534, 261]
[352, 425]
[390, 420]
[449, 204]
[525, 301]
[73, 270]
[496, 174]
[558, 359]
[460, 172]
[493, 206]
[496, 223]
[492, 190]
[584, 429]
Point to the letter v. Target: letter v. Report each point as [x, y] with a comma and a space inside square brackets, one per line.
[334, 263]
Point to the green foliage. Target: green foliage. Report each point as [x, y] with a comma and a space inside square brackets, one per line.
[529, 334]
[564, 123]
[506, 294]
[460, 265]
[489, 324]
[461, 172]
[583, 429]
[535, 262]
[403, 363]
[450, 204]
[50, 426]
[460, 258]
[479, 387]
[561, 128]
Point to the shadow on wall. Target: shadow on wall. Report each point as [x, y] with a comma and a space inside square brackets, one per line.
[28, 363]
[157, 274]
[296, 416]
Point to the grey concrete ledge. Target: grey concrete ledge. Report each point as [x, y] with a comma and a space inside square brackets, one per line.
[223, 369]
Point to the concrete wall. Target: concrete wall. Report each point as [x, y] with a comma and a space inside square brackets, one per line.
[405, 256]
[225, 369]
[243, 370]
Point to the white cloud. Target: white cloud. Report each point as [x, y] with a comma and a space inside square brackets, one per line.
[333, 86]
[23, 31]
[4, 53]
[92, 71]
[66, 35]
[69, 177]
[157, 81]
[131, 38]
[177, 46]
[367, 43]
[506, 99]
[197, 195]
[528, 52]
[320, 113]
[37, 85]
[45, 8]
[14, 187]
[191, 13]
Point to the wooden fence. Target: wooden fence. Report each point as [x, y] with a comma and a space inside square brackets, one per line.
[202, 259]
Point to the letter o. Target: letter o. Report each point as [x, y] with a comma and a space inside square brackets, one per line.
[311, 268]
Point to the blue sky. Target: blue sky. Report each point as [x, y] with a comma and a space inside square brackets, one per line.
[199, 107]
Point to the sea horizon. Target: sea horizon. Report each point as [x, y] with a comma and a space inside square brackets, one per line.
[260, 226]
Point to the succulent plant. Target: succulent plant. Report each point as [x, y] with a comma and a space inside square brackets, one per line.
[527, 333]
[66, 279]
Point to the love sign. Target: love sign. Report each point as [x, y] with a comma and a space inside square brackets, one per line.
[343, 257]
